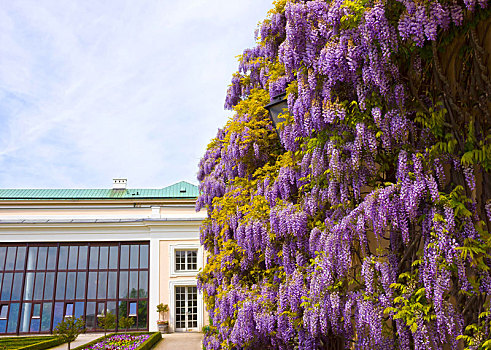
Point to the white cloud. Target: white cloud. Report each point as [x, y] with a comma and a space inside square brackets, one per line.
[91, 90]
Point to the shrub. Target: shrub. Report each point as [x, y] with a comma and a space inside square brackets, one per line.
[107, 322]
[126, 322]
[69, 329]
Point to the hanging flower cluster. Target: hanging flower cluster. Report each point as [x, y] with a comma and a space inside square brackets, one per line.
[365, 224]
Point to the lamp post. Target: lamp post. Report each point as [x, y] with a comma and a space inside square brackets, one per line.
[275, 108]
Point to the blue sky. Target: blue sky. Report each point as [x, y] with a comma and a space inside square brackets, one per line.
[91, 90]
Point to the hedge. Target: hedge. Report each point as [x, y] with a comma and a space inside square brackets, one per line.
[31, 343]
[47, 344]
[151, 341]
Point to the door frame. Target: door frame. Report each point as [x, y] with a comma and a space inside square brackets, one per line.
[186, 307]
[172, 303]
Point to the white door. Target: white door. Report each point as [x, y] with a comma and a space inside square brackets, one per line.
[186, 308]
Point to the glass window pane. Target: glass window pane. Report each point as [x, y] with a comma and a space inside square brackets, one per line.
[10, 262]
[102, 285]
[42, 254]
[58, 314]
[90, 316]
[70, 285]
[21, 258]
[82, 257]
[143, 256]
[92, 285]
[3, 252]
[25, 318]
[101, 309]
[38, 289]
[94, 257]
[189, 256]
[60, 286]
[134, 256]
[143, 291]
[4, 309]
[112, 284]
[179, 254]
[63, 258]
[3, 325]
[103, 257]
[73, 257]
[132, 309]
[113, 257]
[29, 286]
[46, 317]
[13, 316]
[35, 325]
[36, 310]
[52, 251]
[122, 309]
[31, 258]
[125, 256]
[133, 284]
[49, 286]
[111, 307]
[81, 285]
[6, 286]
[17, 286]
[142, 313]
[69, 310]
[1, 279]
[123, 284]
[79, 309]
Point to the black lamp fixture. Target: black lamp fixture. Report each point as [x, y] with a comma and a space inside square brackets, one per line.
[275, 108]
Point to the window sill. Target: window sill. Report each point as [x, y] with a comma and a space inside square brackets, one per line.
[183, 273]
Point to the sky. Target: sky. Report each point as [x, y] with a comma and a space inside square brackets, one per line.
[94, 90]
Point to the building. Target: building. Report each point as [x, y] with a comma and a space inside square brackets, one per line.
[85, 252]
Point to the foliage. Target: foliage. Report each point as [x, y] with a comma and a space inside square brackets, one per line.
[365, 224]
[106, 322]
[163, 309]
[126, 322]
[69, 329]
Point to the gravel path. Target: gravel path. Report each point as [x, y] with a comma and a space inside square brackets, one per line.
[81, 340]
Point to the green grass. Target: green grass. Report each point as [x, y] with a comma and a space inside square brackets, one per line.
[33, 342]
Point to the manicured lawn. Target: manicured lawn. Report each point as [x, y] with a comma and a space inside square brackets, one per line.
[130, 341]
[20, 342]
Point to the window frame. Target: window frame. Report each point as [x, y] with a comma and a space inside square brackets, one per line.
[174, 248]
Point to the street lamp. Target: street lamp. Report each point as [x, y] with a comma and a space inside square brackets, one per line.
[275, 108]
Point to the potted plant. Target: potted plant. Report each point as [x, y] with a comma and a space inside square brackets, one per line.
[163, 324]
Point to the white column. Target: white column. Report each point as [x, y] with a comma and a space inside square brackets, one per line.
[154, 279]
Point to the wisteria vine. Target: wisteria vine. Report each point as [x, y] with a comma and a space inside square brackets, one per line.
[365, 224]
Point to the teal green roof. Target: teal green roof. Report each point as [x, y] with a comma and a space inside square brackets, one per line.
[181, 189]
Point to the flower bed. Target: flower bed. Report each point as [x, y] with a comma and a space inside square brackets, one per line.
[120, 341]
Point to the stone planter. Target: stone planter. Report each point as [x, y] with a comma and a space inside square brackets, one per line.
[163, 328]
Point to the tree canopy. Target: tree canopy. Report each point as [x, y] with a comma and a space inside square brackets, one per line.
[365, 223]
